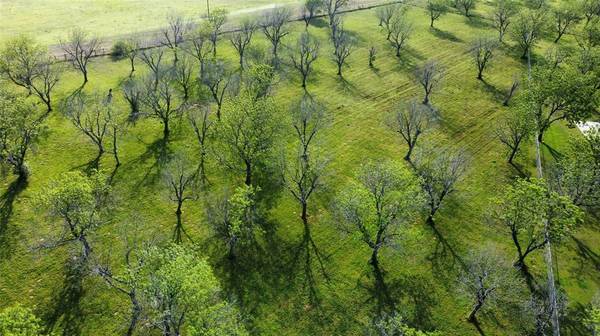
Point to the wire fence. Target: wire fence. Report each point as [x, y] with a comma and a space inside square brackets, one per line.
[153, 38]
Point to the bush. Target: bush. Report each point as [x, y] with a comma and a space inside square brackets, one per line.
[119, 50]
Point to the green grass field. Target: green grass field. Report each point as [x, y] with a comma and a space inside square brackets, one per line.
[273, 287]
[50, 21]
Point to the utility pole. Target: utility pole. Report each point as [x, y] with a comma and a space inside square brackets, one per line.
[548, 249]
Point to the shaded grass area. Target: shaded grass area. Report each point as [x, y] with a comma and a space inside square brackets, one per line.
[300, 280]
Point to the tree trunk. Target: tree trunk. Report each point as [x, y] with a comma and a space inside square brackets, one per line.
[472, 315]
[248, 181]
[426, 99]
[132, 67]
[431, 25]
[85, 76]
[135, 314]
[513, 153]
[374, 257]
[304, 215]
[166, 128]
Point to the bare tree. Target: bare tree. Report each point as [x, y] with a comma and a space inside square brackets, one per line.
[310, 10]
[439, 170]
[152, 58]
[429, 75]
[216, 19]
[343, 44]
[305, 53]
[410, 121]
[172, 35]
[127, 284]
[303, 176]
[180, 181]
[28, 65]
[385, 15]
[489, 281]
[198, 44]
[482, 51]
[516, 129]
[159, 101]
[132, 92]
[503, 12]
[92, 115]
[183, 74]
[273, 26]
[333, 8]
[216, 78]
[566, 15]
[80, 50]
[133, 46]
[512, 90]
[241, 38]
[372, 56]
[199, 118]
[400, 31]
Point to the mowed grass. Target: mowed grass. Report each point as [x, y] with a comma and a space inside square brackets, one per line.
[276, 285]
[50, 20]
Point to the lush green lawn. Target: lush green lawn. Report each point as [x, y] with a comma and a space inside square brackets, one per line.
[50, 20]
[274, 285]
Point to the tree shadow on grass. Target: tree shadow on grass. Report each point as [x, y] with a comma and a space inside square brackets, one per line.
[66, 315]
[478, 22]
[519, 169]
[587, 254]
[498, 94]
[319, 22]
[445, 35]
[444, 259]
[411, 296]
[555, 154]
[310, 260]
[159, 152]
[6, 210]
[571, 322]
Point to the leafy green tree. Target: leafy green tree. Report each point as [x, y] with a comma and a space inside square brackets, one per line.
[20, 321]
[577, 173]
[535, 215]
[20, 130]
[394, 325]
[592, 320]
[560, 93]
[233, 218]
[466, 6]
[436, 9]
[527, 29]
[180, 294]
[248, 133]
[28, 65]
[380, 207]
[81, 204]
[310, 10]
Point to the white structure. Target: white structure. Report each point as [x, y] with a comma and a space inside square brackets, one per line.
[588, 126]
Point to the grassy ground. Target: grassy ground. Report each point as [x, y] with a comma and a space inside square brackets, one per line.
[276, 284]
[49, 21]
